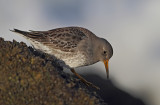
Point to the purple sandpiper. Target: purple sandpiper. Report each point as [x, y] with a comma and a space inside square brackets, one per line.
[76, 46]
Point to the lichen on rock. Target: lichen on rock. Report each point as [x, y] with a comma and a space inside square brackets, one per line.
[28, 77]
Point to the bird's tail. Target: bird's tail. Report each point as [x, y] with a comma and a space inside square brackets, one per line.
[20, 32]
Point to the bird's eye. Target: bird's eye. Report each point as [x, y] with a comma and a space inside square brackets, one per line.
[105, 52]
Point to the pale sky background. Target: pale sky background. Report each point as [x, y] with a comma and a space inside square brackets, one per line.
[131, 26]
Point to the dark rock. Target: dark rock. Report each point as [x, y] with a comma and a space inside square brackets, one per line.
[28, 77]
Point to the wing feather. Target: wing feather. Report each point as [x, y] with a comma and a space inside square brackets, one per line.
[64, 39]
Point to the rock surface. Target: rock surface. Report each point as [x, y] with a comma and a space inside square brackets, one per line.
[28, 77]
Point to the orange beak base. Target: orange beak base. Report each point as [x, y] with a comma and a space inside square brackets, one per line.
[106, 66]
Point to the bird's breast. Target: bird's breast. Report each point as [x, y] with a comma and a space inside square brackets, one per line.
[75, 59]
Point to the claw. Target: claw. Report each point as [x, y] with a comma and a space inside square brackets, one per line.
[89, 84]
[85, 81]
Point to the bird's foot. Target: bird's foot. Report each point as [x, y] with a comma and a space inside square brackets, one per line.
[90, 84]
[85, 81]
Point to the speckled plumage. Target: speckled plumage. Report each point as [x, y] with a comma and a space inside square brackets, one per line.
[64, 44]
[61, 42]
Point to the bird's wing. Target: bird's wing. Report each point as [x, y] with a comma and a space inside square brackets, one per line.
[64, 39]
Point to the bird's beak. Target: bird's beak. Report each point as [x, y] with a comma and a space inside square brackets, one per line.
[106, 66]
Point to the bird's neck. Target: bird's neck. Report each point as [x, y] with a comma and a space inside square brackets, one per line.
[95, 49]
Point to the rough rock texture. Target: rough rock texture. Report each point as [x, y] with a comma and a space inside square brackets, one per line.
[28, 77]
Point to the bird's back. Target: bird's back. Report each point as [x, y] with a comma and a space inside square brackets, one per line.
[69, 44]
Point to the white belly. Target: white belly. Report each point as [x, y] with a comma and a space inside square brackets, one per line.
[76, 60]
[73, 60]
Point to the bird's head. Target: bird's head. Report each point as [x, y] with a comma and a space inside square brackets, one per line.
[105, 53]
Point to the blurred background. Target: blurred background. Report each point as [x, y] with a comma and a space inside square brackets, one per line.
[131, 26]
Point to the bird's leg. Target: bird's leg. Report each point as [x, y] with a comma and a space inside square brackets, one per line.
[83, 80]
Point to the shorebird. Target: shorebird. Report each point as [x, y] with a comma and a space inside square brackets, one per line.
[76, 46]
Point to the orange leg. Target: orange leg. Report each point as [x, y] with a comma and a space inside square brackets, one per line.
[84, 81]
